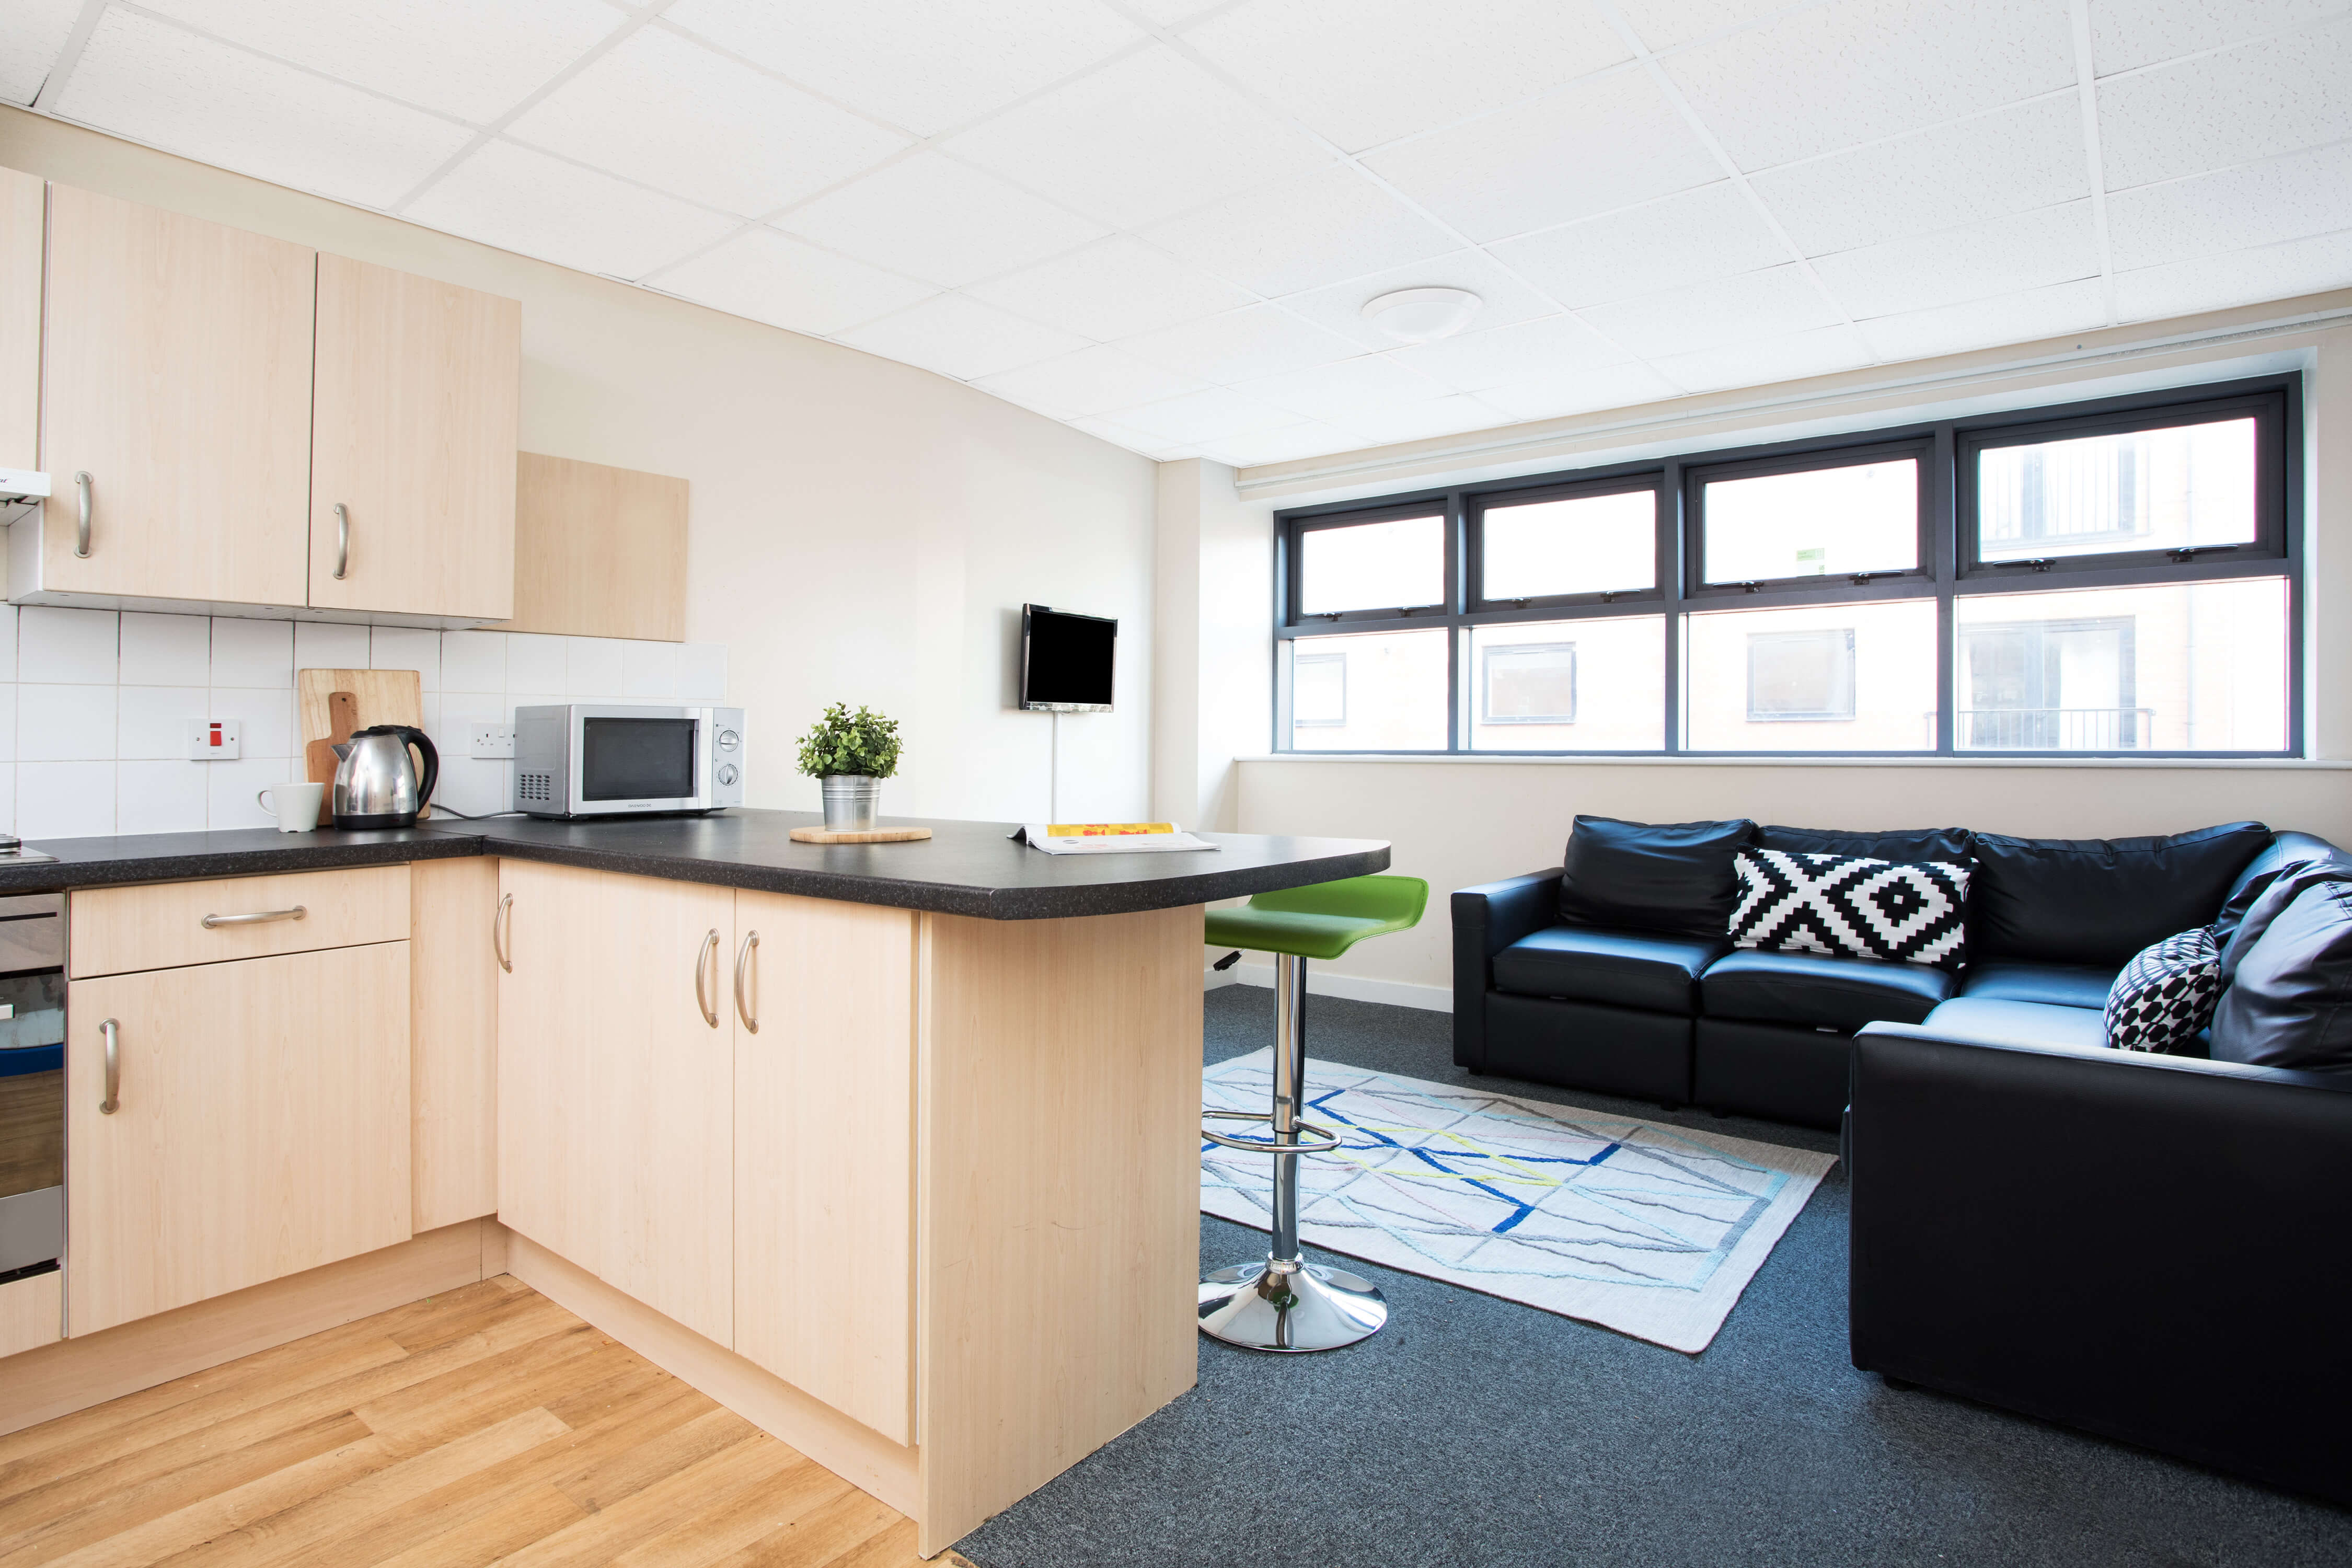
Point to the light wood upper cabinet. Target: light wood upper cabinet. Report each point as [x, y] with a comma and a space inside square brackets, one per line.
[23, 200]
[824, 1157]
[599, 552]
[616, 1086]
[260, 1128]
[412, 434]
[177, 375]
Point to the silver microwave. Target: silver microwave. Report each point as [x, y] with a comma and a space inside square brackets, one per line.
[612, 758]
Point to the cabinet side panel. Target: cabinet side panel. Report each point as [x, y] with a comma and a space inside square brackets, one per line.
[1059, 1244]
[22, 200]
[454, 1051]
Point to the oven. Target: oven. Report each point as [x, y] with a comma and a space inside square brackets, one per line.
[32, 1084]
[611, 759]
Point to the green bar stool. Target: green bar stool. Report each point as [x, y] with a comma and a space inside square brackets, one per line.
[1287, 1303]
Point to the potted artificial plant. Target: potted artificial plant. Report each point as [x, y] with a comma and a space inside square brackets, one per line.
[850, 754]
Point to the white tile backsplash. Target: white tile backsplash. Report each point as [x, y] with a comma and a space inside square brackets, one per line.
[93, 728]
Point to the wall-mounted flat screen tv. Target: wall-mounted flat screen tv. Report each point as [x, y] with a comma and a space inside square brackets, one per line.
[1066, 660]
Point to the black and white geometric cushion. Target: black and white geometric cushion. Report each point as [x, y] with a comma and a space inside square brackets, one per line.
[2166, 994]
[1849, 906]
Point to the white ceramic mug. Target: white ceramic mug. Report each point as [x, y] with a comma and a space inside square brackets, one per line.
[295, 805]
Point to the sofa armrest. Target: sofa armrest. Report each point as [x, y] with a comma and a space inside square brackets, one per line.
[1486, 920]
[2147, 1247]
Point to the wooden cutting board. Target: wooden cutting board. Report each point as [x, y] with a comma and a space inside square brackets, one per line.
[858, 836]
[386, 697]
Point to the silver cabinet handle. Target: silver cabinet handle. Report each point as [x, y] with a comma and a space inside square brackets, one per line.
[342, 542]
[111, 1033]
[259, 917]
[706, 959]
[81, 528]
[743, 1008]
[501, 923]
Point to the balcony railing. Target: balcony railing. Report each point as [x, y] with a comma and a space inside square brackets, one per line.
[2052, 729]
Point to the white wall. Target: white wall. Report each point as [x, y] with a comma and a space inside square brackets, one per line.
[1457, 822]
[860, 530]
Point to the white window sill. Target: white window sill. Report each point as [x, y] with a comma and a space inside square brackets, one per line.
[1504, 759]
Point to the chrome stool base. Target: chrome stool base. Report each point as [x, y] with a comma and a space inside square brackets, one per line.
[1300, 1307]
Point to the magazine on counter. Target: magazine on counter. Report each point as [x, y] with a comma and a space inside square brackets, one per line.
[1106, 838]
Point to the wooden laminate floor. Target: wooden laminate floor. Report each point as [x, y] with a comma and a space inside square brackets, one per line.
[485, 1425]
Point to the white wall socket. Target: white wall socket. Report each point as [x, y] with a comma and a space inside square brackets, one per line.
[215, 740]
[492, 741]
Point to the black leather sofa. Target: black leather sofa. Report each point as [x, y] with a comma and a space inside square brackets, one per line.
[1661, 1007]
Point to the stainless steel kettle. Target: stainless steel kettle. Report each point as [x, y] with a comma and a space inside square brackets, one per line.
[376, 783]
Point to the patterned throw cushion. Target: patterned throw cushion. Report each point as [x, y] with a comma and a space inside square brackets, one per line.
[2166, 994]
[1849, 906]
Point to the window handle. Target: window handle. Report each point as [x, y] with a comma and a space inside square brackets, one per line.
[2039, 563]
[2187, 553]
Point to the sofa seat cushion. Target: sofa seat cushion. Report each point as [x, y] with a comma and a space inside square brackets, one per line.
[2051, 984]
[1841, 994]
[2000, 1020]
[1623, 968]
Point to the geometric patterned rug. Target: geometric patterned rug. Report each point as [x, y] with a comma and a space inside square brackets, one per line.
[1647, 1228]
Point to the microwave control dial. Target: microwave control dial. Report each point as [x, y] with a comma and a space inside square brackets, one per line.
[727, 740]
[727, 774]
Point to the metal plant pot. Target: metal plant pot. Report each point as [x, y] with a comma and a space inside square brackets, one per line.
[851, 801]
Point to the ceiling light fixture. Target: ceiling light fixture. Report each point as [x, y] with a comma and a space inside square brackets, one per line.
[1421, 315]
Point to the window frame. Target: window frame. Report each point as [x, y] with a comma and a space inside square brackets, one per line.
[1946, 519]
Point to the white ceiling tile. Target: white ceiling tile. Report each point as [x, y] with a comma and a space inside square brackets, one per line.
[1662, 24]
[1117, 434]
[927, 64]
[2312, 266]
[2232, 107]
[1309, 439]
[657, 108]
[1821, 352]
[31, 33]
[519, 200]
[2016, 159]
[1114, 287]
[1176, 13]
[156, 83]
[1862, 70]
[1579, 392]
[1142, 139]
[2233, 209]
[1772, 303]
[959, 337]
[1304, 233]
[1599, 145]
[2125, 34]
[2075, 307]
[1091, 381]
[936, 219]
[1363, 72]
[1502, 298]
[1503, 355]
[773, 278]
[2004, 255]
[1711, 232]
[473, 59]
[1198, 417]
[1344, 393]
[1241, 345]
[1448, 415]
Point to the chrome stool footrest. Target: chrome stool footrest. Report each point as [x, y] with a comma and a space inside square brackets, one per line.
[1325, 1140]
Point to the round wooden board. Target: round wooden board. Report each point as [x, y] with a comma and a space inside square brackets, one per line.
[871, 835]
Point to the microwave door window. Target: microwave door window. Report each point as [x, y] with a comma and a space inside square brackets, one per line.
[636, 759]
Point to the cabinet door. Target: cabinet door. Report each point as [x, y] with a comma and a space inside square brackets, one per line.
[23, 200]
[615, 1127]
[176, 374]
[260, 1126]
[412, 434]
[825, 1152]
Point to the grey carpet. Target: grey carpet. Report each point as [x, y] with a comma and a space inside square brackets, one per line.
[1474, 1431]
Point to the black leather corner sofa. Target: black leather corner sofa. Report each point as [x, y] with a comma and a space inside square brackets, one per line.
[2151, 1247]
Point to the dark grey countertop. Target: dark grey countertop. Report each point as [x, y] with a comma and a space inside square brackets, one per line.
[963, 868]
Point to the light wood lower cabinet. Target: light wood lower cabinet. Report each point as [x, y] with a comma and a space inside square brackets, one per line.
[616, 1084]
[260, 1128]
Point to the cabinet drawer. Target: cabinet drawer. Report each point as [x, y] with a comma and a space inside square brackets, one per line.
[161, 925]
[32, 1312]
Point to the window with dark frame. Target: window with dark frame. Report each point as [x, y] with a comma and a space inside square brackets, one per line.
[2111, 578]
